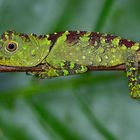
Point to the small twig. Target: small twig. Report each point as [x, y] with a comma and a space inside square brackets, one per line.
[39, 68]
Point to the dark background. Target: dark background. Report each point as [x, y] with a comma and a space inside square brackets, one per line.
[91, 106]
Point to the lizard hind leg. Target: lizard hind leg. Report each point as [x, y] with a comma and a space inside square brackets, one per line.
[133, 76]
[67, 68]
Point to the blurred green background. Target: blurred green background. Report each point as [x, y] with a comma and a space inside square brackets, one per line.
[91, 106]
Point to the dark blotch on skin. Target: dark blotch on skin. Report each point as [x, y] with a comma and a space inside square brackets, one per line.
[94, 36]
[72, 72]
[74, 36]
[10, 32]
[25, 36]
[67, 64]
[3, 37]
[109, 38]
[34, 35]
[60, 72]
[126, 42]
[40, 36]
[54, 37]
[7, 33]
[77, 66]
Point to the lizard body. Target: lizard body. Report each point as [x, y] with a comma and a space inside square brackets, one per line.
[71, 52]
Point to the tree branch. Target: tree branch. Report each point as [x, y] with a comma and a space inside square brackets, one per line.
[39, 68]
[103, 68]
[20, 69]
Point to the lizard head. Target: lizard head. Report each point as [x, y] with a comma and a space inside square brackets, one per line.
[22, 50]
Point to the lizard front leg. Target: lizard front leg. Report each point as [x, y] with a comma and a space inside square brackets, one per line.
[133, 76]
[66, 68]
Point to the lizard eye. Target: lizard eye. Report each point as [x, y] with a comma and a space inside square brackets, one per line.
[11, 47]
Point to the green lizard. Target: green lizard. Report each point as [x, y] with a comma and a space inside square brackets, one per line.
[71, 52]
